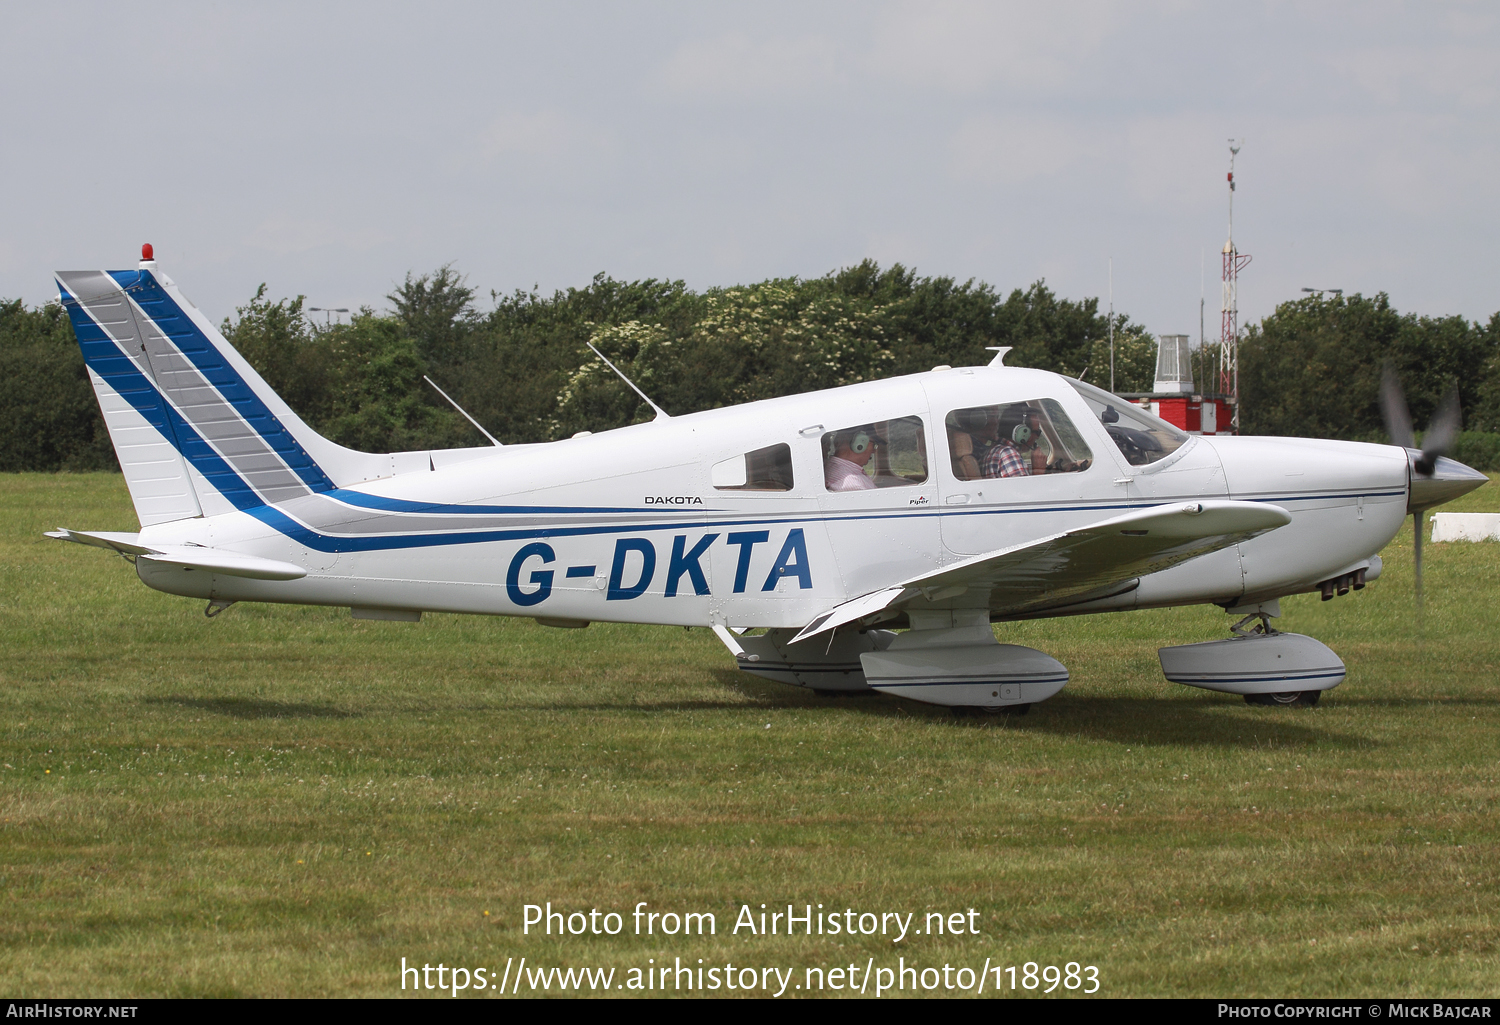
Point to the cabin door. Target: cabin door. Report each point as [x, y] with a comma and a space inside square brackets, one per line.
[1014, 472]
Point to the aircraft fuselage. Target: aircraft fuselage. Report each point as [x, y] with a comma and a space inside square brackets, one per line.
[629, 525]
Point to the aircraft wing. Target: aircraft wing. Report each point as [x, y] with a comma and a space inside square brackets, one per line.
[211, 560]
[1091, 561]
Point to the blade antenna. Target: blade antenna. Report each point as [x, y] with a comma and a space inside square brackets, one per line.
[661, 414]
[466, 416]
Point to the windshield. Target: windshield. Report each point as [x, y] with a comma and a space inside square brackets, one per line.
[1141, 438]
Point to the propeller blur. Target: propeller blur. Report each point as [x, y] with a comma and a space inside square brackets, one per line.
[1435, 479]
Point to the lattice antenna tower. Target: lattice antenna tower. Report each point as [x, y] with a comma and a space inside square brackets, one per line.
[1229, 337]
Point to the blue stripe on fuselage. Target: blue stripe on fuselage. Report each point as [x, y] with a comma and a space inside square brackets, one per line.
[403, 505]
[325, 542]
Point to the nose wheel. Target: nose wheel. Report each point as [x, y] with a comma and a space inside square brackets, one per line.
[974, 711]
[1286, 699]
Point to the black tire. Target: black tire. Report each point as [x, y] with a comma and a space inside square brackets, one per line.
[966, 711]
[1286, 699]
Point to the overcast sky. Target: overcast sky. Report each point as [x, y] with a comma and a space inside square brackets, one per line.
[327, 149]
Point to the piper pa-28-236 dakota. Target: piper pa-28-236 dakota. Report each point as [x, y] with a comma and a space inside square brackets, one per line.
[856, 538]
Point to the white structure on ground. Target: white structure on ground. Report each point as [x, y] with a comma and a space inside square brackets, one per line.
[1466, 527]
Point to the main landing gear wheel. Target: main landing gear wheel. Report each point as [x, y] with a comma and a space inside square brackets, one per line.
[1288, 699]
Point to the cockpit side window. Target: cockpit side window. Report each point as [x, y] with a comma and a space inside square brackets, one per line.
[1017, 439]
[1141, 438]
[765, 469]
[884, 454]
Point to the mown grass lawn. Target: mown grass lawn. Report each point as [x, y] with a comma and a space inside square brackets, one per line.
[283, 801]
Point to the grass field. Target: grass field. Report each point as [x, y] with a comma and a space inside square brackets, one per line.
[283, 801]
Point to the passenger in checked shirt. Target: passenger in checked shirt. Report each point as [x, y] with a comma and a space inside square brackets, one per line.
[1016, 455]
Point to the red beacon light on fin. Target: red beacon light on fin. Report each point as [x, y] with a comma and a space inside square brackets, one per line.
[147, 253]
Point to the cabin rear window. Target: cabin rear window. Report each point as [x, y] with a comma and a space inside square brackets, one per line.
[1018, 439]
[883, 454]
[1141, 438]
[765, 469]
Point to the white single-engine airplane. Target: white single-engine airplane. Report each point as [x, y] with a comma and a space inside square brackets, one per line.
[935, 504]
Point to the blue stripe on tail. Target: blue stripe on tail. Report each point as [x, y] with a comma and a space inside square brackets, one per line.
[104, 357]
[205, 356]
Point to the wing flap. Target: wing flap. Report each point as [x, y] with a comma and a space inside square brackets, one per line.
[850, 611]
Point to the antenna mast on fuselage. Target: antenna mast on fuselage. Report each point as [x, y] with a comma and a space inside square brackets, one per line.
[661, 414]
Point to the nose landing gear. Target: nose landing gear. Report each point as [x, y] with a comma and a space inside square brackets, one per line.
[1264, 665]
[1286, 699]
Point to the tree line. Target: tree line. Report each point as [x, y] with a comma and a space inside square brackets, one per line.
[523, 367]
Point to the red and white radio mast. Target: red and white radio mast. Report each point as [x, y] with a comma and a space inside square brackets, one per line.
[1229, 338]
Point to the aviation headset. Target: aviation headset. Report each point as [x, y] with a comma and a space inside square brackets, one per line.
[860, 442]
[1021, 435]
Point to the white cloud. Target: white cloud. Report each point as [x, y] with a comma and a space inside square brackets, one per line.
[1174, 160]
[544, 134]
[893, 245]
[1397, 76]
[1011, 149]
[283, 235]
[965, 45]
[1382, 163]
[735, 64]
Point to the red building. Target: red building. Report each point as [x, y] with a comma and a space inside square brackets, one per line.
[1196, 414]
[1172, 396]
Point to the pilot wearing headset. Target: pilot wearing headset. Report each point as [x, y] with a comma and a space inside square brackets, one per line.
[1017, 454]
[845, 469]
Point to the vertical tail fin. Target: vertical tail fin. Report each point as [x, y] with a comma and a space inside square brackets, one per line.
[196, 429]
